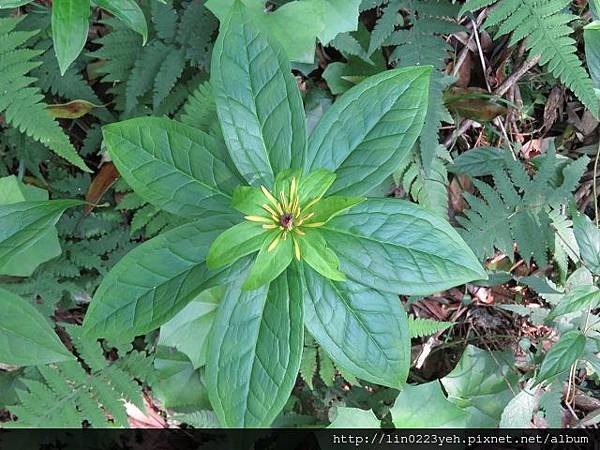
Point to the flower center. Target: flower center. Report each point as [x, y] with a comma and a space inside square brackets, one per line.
[286, 216]
[287, 221]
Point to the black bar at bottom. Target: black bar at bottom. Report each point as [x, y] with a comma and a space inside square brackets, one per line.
[297, 439]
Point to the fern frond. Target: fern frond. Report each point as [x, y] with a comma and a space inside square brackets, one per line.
[197, 25]
[164, 19]
[422, 44]
[21, 103]
[143, 73]
[70, 86]
[117, 53]
[385, 25]
[67, 395]
[309, 363]
[168, 74]
[200, 111]
[545, 27]
[505, 215]
[425, 327]
[428, 190]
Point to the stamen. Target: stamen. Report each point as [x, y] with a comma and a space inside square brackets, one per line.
[273, 244]
[297, 249]
[305, 218]
[270, 226]
[269, 210]
[314, 225]
[299, 231]
[272, 199]
[258, 219]
[284, 202]
[293, 188]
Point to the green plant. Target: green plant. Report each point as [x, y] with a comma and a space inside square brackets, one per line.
[21, 103]
[159, 75]
[545, 26]
[70, 23]
[324, 251]
[521, 208]
[93, 390]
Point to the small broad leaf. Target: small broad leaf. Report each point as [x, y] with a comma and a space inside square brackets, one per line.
[482, 384]
[369, 130]
[395, 246]
[319, 256]
[155, 281]
[273, 258]
[128, 12]
[562, 355]
[27, 223]
[173, 166]
[188, 331]
[354, 418]
[330, 207]
[588, 238]
[312, 19]
[177, 383]
[26, 338]
[248, 200]
[70, 23]
[520, 410]
[362, 330]
[315, 184]
[425, 406]
[579, 299]
[254, 352]
[479, 162]
[241, 240]
[24, 262]
[258, 101]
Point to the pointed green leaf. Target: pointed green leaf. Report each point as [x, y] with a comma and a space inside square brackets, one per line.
[24, 262]
[241, 240]
[562, 355]
[319, 256]
[579, 299]
[188, 331]
[70, 23]
[154, 281]
[312, 19]
[354, 418]
[128, 12]
[362, 330]
[249, 200]
[26, 338]
[330, 207]
[270, 264]
[258, 101]
[399, 247]
[315, 184]
[482, 383]
[368, 131]
[173, 166]
[588, 238]
[23, 225]
[254, 352]
[425, 406]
